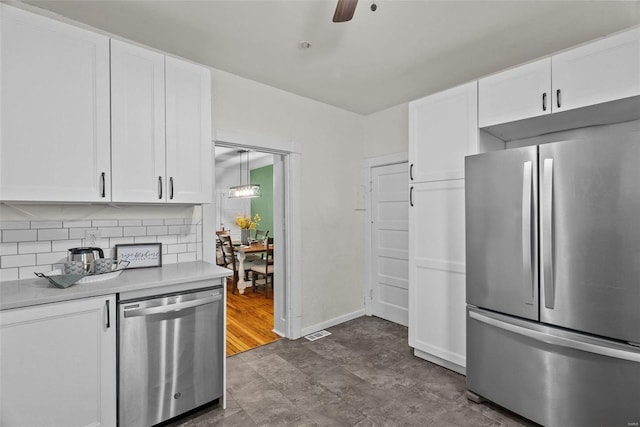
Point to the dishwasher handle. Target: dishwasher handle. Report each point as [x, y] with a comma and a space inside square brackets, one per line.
[171, 307]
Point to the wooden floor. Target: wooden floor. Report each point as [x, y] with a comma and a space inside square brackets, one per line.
[249, 321]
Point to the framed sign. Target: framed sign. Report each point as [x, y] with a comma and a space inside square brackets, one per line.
[140, 255]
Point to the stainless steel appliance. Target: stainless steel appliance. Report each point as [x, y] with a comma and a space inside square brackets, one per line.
[170, 353]
[86, 255]
[553, 280]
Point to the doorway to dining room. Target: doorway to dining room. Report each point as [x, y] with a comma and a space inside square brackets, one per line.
[250, 311]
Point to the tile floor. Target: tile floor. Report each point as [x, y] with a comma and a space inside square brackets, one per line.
[361, 375]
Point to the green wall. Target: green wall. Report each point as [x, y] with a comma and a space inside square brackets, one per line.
[263, 206]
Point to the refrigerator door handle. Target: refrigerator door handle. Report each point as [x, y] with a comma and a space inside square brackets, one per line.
[527, 250]
[557, 340]
[547, 234]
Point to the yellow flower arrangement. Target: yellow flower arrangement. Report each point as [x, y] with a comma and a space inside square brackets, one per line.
[245, 222]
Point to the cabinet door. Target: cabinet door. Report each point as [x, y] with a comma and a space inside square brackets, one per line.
[137, 124]
[54, 142]
[437, 272]
[515, 94]
[59, 364]
[601, 71]
[189, 160]
[443, 128]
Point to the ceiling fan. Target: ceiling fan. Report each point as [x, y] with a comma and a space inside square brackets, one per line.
[344, 10]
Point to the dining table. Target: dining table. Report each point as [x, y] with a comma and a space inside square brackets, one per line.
[242, 251]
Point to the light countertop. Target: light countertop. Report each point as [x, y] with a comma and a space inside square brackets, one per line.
[29, 292]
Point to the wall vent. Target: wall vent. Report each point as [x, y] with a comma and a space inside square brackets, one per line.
[317, 335]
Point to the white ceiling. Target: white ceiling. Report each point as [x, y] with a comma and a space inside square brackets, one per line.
[230, 158]
[403, 51]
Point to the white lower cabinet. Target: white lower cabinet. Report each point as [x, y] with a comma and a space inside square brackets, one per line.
[437, 273]
[58, 364]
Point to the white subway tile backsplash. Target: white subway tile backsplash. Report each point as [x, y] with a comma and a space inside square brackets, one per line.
[8, 248]
[9, 261]
[34, 247]
[110, 231]
[129, 222]
[19, 236]
[52, 258]
[79, 232]
[187, 257]
[169, 259]
[158, 230]
[27, 272]
[46, 224]
[134, 231]
[145, 239]
[14, 225]
[77, 224]
[188, 238]
[54, 234]
[63, 245]
[120, 241]
[100, 243]
[168, 240]
[104, 223]
[7, 274]
[41, 246]
[175, 229]
[174, 249]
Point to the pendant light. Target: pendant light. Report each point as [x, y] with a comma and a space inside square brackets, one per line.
[247, 190]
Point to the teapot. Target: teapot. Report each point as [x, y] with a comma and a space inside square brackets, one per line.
[86, 255]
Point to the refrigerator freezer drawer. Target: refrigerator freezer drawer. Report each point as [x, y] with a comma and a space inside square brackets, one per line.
[551, 376]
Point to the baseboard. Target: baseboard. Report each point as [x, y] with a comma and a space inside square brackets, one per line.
[439, 361]
[332, 322]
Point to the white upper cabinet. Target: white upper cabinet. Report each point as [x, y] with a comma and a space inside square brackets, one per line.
[443, 128]
[137, 124]
[515, 94]
[188, 141]
[54, 120]
[604, 70]
[598, 72]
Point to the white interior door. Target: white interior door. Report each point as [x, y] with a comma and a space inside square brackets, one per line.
[390, 242]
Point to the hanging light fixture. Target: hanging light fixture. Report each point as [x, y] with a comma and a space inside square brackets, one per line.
[247, 190]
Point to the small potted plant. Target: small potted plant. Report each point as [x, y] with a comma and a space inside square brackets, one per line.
[246, 224]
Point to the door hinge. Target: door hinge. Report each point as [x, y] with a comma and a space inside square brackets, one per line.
[371, 294]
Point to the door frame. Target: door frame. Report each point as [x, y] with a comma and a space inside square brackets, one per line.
[369, 164]
[287, 286]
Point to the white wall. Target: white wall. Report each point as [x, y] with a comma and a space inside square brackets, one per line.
[387, 132]
[331, 143]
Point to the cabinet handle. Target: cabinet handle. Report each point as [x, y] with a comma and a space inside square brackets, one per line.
[558, 98]
[171, 188]
[159, 187]
[103, 185]
[108, 315]
[411, 196]
[411, 172]
[544, 101]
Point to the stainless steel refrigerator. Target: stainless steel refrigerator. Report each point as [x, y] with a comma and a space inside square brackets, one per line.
[553, 280]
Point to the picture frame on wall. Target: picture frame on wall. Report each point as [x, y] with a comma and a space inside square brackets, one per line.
[140, 255]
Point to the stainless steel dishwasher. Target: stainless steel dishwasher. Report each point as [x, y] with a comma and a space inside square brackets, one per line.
[170, 354]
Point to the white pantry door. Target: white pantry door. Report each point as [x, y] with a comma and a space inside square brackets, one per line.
[390, 242]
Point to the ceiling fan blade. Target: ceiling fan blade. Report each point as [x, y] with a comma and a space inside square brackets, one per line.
[344, 10]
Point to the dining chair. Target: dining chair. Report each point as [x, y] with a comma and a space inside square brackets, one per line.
[264, 270]
[260, 235]
[229, 259]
